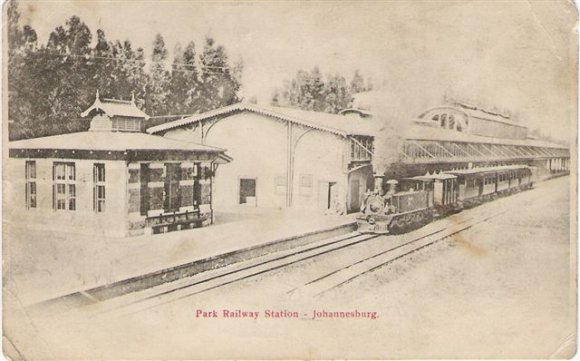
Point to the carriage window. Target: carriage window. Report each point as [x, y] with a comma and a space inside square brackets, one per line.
[435, 117]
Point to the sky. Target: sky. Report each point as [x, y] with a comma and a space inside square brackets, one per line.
[515, 56]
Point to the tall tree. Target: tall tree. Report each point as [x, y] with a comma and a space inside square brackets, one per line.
[184, 87]
[357, 84]
[220, 82]
[50, 85]
[309, 91]
[337, 94]
[22, 42]
[157, 92]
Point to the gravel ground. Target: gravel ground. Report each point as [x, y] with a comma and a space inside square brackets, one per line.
[503, 289]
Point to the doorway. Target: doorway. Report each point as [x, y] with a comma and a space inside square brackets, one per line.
[327, 195]
[354, 194]
[248, 191]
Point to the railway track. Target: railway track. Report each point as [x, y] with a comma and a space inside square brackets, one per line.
[346, 274]
[195, 284]
[210, 280]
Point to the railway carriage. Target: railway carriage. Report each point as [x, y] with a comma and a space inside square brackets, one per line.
[413, 202]
[480, 184]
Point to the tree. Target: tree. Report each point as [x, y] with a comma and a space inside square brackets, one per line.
[50, 85]
[309, 91]
[184, 87]
[337, 94]
[157, 91]
[357, 84]
[220, 82]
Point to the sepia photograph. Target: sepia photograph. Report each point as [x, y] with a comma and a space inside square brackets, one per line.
[210, 180]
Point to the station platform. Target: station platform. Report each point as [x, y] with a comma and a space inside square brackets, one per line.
[42, 264]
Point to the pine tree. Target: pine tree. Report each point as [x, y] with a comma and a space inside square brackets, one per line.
[22, 42]
[220, 82]
[157, 91]
[184, 87]
[309, 91]
[337, 94]
[357, 84]
[104, 66]
[50, 85]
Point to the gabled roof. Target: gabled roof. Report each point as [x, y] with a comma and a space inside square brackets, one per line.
[116, 107]
[333, 123]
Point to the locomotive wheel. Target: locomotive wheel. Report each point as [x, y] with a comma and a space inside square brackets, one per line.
[397, 225]
[419, 218]
[428, 217]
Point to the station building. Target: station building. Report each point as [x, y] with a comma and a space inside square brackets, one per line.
[302, 159]
[459, 136]
[113, 179]
[455, 135]
[283, 158]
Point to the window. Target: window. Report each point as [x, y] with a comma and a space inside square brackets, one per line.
[361, 148]
[172, 195]
[305, 185]
[452, 122]
[435, 118]
[64, 188]
[248, 191]
[99, 187]
[124, 124]
[144, 188]
[30, 175]
[443, 120]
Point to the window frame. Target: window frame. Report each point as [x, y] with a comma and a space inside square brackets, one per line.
[99, 182]
[31, 189]
[68, 184]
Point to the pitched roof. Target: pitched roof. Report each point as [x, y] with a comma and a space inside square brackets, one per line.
[116, 107]
[110, 141]
[333, 123]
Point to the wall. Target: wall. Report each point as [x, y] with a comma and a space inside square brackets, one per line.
[84, 219]
[258, 146]
[319, 156]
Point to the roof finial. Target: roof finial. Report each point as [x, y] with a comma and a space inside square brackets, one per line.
[133, 96]
[97, 96]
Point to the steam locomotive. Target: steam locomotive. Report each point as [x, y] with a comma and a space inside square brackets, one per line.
[410, 203]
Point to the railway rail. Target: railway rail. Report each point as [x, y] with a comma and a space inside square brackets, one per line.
[201, 282]
[211, 280]
[350, 272]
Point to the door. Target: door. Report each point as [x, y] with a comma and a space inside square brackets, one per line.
[332, 195]
[248, 191]
[323, 195]
[354, 195]
[327, 195]
[438, 192]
